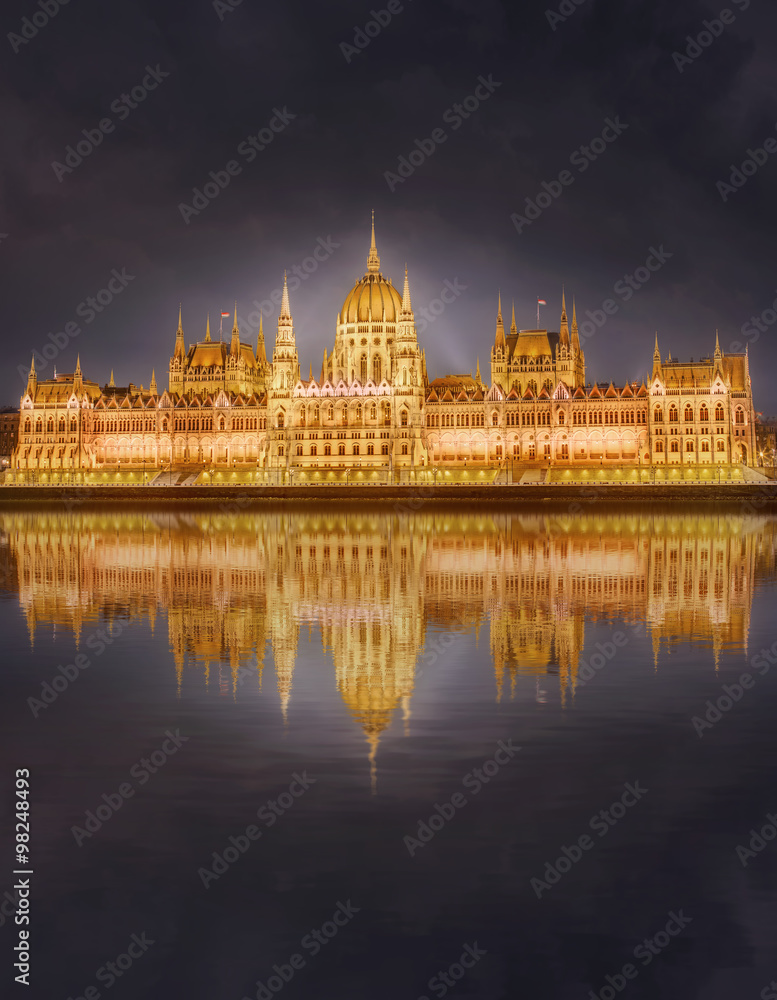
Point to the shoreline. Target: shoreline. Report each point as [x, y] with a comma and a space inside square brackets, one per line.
[244, 497]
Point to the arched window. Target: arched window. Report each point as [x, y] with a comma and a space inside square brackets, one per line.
[27, 425]
[404, 448]
[561, 416]
[363, 368]
[659, 447]
[299, 449]
[720, 446]
[330, 412]
[341, 449]
[356, 449]
[313, 451]
[673, 414]
[705, 446]
[494, 419]
[327, 449]
[720, 415]
[222, 424]
[358, 413]
[403, 417]
[674, 446]
[704, 413]
[376, 369]
[370, 449]
[280, 421]
[384, 449]
[688, 413]
[658, 415]
[739, 416]
[316, 413]
[689, 445]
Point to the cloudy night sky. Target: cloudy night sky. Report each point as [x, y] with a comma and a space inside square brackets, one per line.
[350, 113]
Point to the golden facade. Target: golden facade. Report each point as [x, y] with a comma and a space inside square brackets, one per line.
[374, 414]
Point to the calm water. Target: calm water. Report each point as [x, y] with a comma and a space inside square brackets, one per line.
[328, 681]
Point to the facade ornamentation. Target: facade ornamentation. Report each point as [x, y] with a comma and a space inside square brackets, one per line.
[374, 409]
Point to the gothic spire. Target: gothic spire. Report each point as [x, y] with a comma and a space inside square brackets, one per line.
[564, 331]
[500, 327]
[575, 333]
[234, 347]
[261, 353]
[406, 305]
[152, 388]
[179, 345]
[373, 261]
[285, 308]
[513, 327]
[207, 330]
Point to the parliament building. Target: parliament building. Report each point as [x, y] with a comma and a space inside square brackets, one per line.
[374, 415]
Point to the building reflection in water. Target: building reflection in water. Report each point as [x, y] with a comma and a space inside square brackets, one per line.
[377, 585]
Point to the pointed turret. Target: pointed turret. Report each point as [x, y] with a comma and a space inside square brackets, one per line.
[406, 304]
[152, 387]
[261, 352]
[718, 353]
[564, 328]
[373, 260]
[499, 340]
[207, 329]
[513, 327]
[111, 382]
[477, 373]
[310, 376]
[78, 366]
[32, 379]
[78, 378]
[575, 332]
[656, 359]
[234, 347]
[285, 308]
[323, 369]
[180, 349]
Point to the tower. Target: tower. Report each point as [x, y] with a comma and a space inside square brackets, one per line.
[499, 350]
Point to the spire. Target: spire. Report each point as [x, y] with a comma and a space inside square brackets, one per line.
[718, 352]
[656, 352]
[323, 369]
[310, 376]
[180, 350]
[500, 327]
[406, 305]
[207, 330]
[152, 387]
[261, 353]
[234, 347]
[477, 373]
[575, 334]
[373, 261]
[112, 383]
[32, 378]
[78, 365]
[564, 330]
[513, 327]
[285, 309]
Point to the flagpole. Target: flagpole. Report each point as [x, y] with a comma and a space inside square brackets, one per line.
[538, 314]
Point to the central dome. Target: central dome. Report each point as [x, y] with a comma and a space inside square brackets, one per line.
[372, 294]
[368, 298]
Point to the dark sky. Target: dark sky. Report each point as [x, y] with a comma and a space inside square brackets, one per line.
[653, 186]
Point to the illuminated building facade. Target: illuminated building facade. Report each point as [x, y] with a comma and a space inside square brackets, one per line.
[374, 412]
